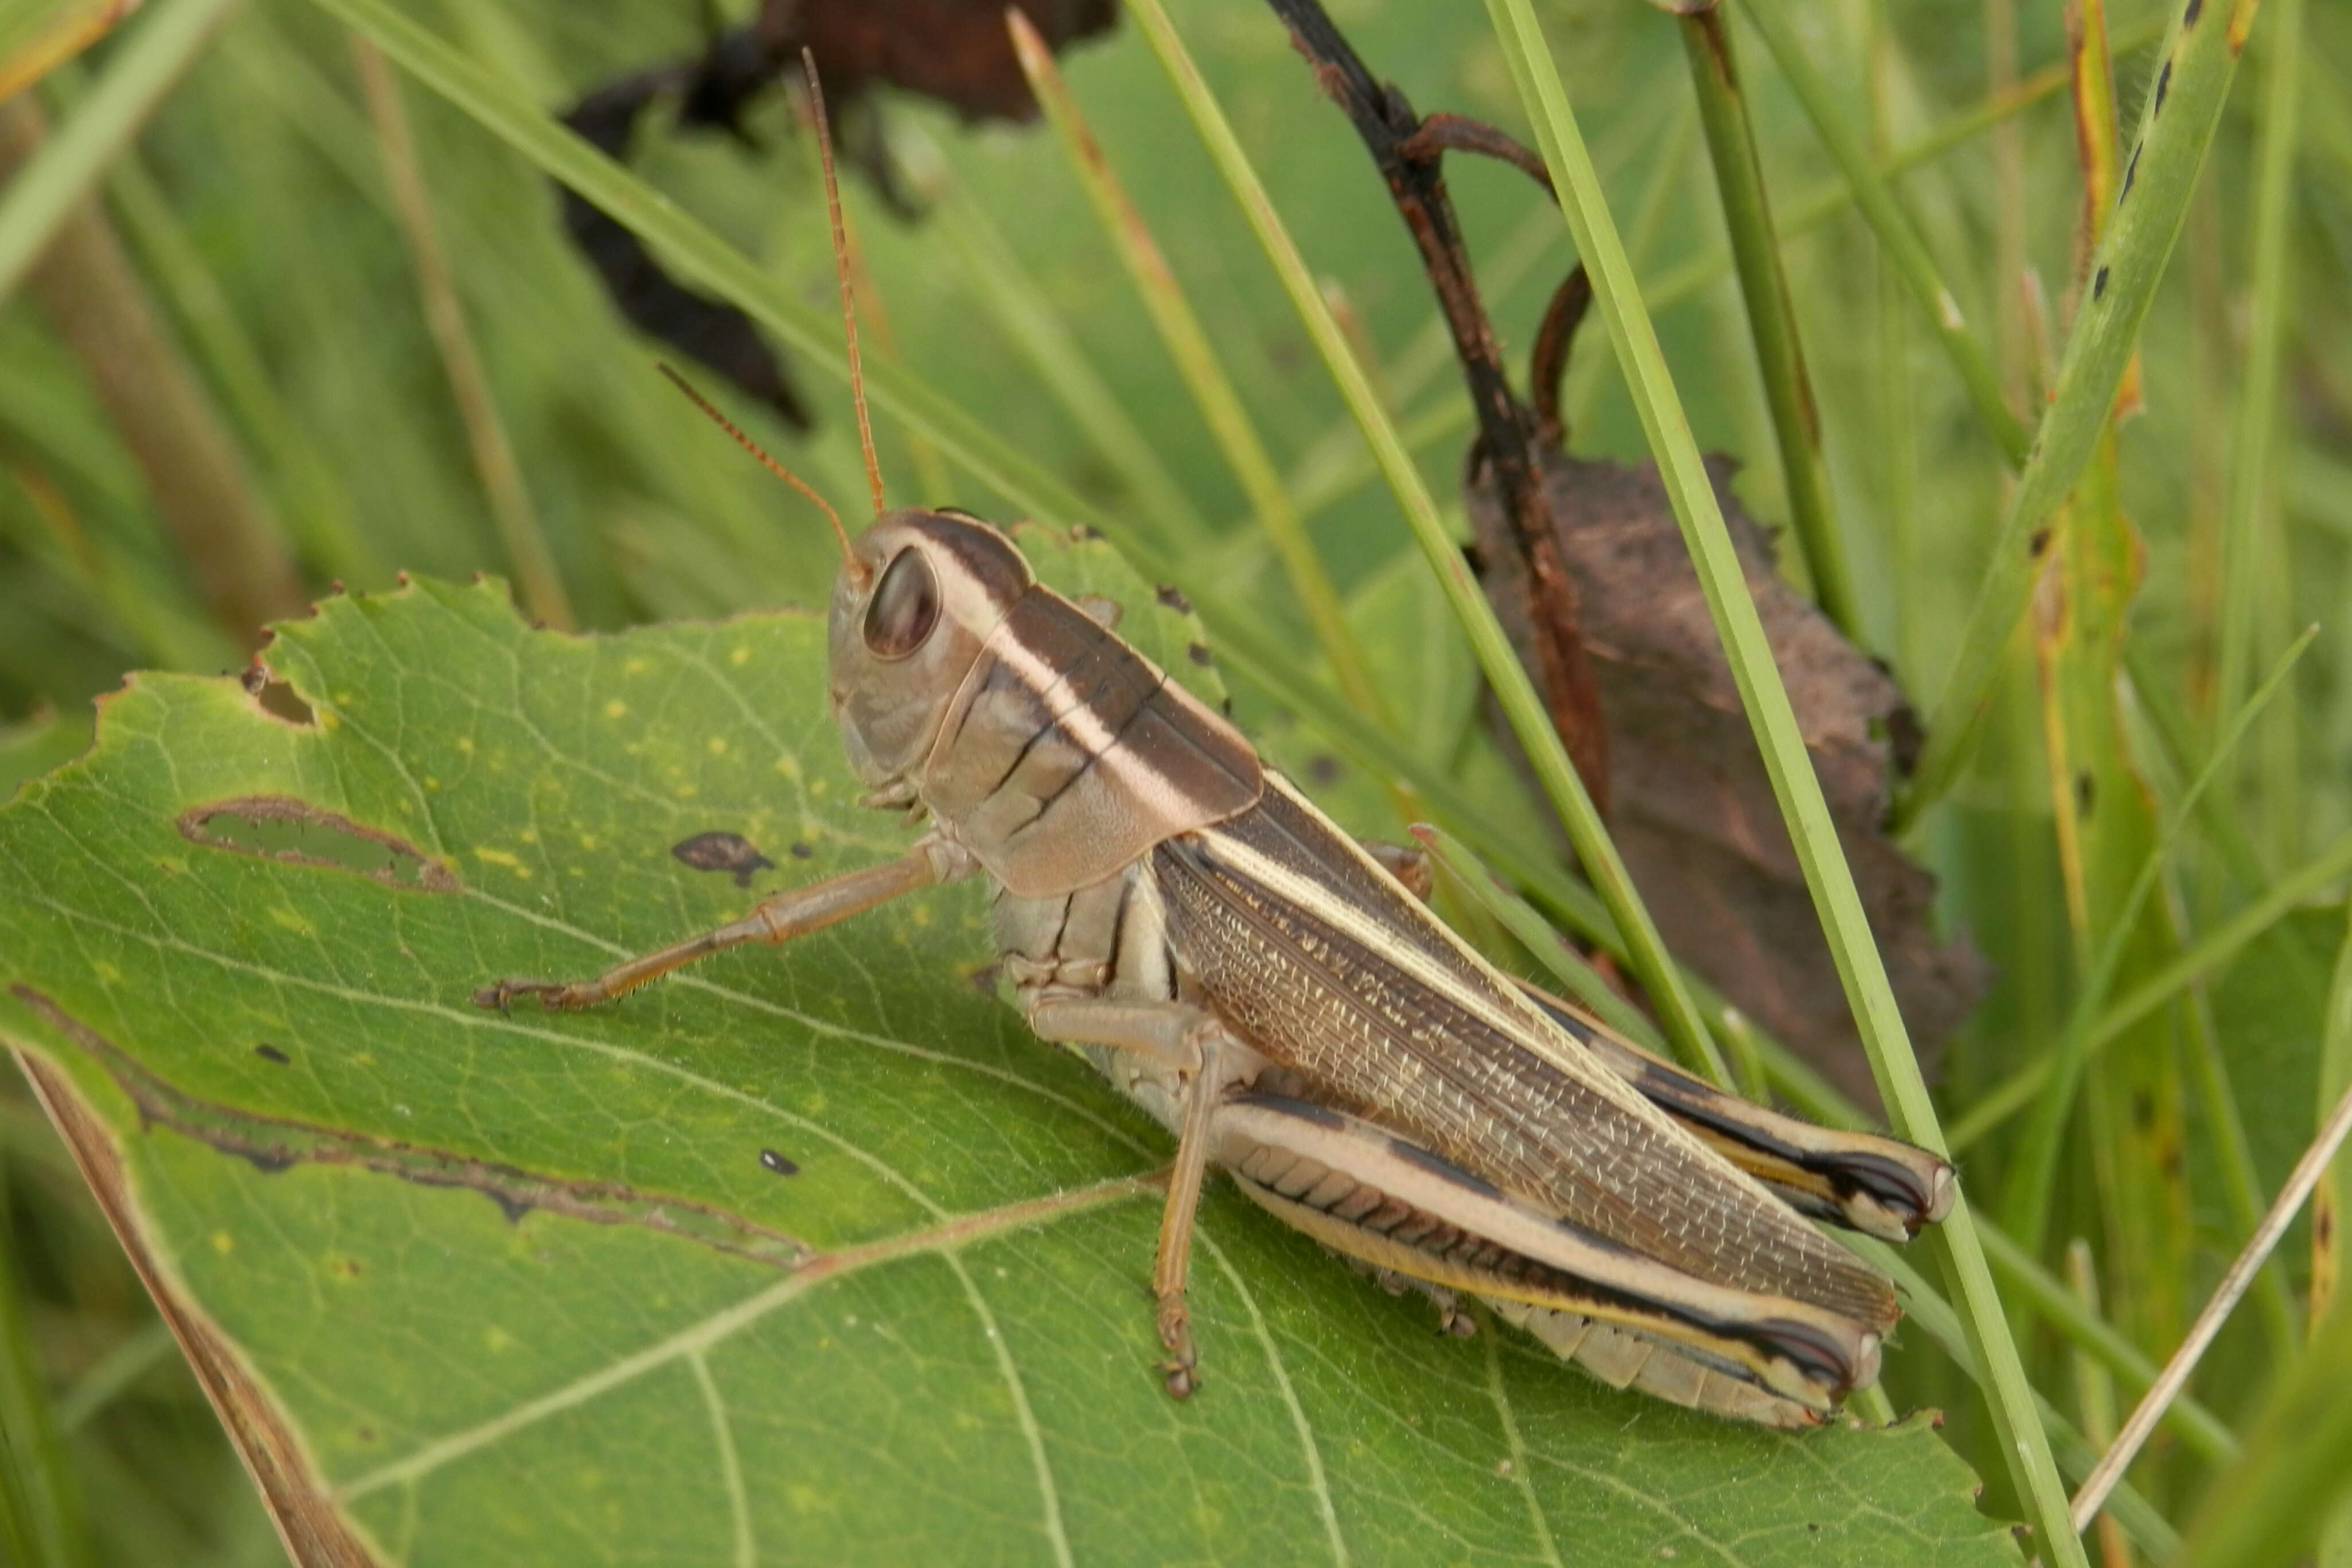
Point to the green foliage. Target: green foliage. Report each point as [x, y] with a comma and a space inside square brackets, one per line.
[531, 1287]
[254, 203]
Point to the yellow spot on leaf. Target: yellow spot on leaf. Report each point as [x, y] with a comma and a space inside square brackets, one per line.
[633, 666]
[739, 658]
[465, 744]
[530, 836]
[432, 784]
[587, 841]
[717, 744]
[501, 857]
[497, 1338]
[224, 1243]
[616, 708]
[292, 921]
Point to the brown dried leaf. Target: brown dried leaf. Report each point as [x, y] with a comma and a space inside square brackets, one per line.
[1694, 813]
[956, 51]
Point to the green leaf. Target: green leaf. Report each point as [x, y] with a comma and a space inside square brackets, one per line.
[523, 1286]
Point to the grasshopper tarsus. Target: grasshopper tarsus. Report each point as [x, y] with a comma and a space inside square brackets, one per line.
[1181, 1370]
[553, 997]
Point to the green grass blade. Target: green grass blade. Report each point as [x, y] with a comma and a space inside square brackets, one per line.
[2033, 1170]
[2271, 1506]
[1771, 317]
[2024, 1442]
[1030, 321]
[1895, 231]
[2184, 107]
[142, 72]
[1935, 1318]
[41, 1520]
[1200, 368]
[2250, 521]
[2198, 962]
[1530, 722]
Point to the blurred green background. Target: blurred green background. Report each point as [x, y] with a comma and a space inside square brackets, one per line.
[275, 307]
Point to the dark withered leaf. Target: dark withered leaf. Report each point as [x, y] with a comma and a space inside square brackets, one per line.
[1693, 812]
[956, 51]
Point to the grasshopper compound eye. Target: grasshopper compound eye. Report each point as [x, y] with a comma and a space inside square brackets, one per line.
[905, 608]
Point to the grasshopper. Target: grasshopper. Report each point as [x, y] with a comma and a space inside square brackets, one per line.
[1282, 999]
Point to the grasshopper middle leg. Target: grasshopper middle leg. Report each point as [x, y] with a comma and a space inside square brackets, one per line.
[790, 913]
[1196, 1048]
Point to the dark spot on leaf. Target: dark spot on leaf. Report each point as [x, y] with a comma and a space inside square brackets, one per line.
[1080, 533]
[1174, 599]
[2131, 171]
[2143, 1111]
[2163, 85]
[365, 1434]
[344, 1268]
[778, 1163]
[1226, 707]
[717, 851]
[268, 1162]
[800, 851]
[1199, 654]
[1323, 769]
[2086, 789]
[2323, 1227]
[2188, 18]
[982, 978]
[299, 834]
[270, 1053]
[2038, 544]
[2099, 284]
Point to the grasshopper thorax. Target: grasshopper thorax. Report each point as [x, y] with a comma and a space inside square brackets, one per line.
[1034, 736]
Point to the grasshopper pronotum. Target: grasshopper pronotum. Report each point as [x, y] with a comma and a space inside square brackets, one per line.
[1273, 992]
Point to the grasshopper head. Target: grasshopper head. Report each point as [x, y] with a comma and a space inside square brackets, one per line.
[911, 612]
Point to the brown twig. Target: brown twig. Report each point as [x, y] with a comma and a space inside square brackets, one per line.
[1407, 149]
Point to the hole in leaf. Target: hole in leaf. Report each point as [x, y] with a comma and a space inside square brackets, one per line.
[275, 696]
[300, 834]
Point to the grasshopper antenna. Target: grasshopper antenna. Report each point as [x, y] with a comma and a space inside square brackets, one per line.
[840, 272]
[850, 563]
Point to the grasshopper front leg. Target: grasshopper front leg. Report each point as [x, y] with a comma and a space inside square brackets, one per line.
[790, 913]
[1196, 1048]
